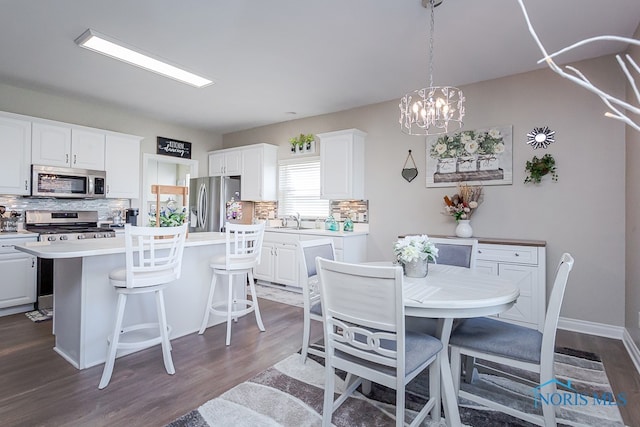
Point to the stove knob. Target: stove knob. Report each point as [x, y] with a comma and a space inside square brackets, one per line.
[81, 236]
[51, 238]
[64, 237]
[97, 235]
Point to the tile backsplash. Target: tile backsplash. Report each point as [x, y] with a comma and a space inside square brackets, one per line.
[359, 210]
[105, 207]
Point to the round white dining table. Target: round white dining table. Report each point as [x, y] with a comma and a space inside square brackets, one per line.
[448, 293]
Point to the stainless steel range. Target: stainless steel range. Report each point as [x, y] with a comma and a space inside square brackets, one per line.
[58, 227]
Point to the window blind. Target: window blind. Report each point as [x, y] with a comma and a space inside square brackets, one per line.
[299, 189]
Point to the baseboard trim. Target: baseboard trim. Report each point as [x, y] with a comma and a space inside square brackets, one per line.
[591, 328]
[602, 330]
[632, 349]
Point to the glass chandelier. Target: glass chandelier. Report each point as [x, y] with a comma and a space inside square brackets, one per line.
[435, 109]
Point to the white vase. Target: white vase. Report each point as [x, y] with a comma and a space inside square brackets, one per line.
[463, 229]
[418, 268]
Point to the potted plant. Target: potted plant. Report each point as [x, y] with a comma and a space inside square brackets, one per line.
[413, 253]
[301, 142]
[538, 167]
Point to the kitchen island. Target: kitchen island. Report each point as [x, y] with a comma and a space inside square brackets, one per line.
[85, 302]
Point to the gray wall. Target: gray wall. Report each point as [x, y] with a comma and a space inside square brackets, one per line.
[632, 295]
[86, 113]
[583, 213]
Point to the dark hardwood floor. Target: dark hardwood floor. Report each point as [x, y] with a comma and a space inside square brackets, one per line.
[39, 388]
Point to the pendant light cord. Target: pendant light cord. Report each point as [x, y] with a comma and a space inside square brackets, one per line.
[431, 31]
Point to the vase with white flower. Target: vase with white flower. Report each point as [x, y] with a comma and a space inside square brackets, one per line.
[414, 253]
[462, 205]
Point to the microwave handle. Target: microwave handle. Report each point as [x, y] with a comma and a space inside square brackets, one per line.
[91, 185]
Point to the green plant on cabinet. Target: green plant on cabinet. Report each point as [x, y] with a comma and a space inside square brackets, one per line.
[301, 141]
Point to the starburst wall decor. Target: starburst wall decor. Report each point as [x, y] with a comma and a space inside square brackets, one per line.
[541, 137]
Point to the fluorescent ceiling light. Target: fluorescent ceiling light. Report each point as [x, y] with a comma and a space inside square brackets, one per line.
[107, 46]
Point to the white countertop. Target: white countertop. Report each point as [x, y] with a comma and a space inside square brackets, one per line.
[316, 232]
[22, 234]
[105, 246]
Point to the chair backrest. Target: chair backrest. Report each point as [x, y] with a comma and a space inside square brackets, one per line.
[553, 310]
[363, 309]
[308, 251]
[458, 252]
[243, 245]
[153, 255]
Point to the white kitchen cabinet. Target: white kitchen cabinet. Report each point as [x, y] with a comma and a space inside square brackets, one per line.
[225, 162]
[58, 144]
[259, 168]
[524, 264]
[19, 270]
[278, 259]
[15, 161]
[342, 165]
[279, 255]
[122, 164]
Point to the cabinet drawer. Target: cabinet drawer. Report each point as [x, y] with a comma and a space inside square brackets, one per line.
[276, 237]
[6, 245]
[508, 253]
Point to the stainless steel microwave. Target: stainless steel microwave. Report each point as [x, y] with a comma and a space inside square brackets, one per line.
[50, 181]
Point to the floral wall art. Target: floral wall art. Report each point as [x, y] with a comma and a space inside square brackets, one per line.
[481, 156]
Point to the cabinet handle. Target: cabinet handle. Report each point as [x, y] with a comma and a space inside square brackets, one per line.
[479, 251]
[33, 262]
[26, 184]
[517, 254]
[75, 159]
[66, 158]
[108, 190]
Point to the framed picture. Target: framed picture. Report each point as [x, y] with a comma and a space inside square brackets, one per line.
[482, 156]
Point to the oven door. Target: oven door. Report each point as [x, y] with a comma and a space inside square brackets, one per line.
[48, 181]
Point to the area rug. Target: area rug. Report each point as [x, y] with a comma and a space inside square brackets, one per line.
[291, 394]
[40, 315]
[281, 295]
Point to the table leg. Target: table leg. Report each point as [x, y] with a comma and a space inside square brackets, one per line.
[450, 402]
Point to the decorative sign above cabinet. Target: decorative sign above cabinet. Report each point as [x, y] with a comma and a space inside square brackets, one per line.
[175, 148]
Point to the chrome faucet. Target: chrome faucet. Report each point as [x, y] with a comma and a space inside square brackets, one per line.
[296, 218]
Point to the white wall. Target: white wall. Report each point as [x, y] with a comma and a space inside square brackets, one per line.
[68, 109]
[583, 213]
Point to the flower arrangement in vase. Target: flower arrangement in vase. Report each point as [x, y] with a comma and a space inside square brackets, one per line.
[414, 253]
[462, 205]
[171, 216]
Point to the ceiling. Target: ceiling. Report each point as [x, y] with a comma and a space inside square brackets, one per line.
[271, 59]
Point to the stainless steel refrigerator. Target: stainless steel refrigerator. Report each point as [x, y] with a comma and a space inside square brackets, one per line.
[213, 200]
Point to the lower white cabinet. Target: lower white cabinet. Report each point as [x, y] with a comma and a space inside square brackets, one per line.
[19, 271]
[525, 265]
[279, 255]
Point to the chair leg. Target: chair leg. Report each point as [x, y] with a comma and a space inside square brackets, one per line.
[113, 343]
[164, 333]
[256, 308]
[207, 310]
[399, 404]
[329, 385]
[306, 332]
[229, 309]
[434, 389]
[456, 363]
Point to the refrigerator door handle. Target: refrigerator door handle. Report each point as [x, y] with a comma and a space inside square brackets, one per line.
[202, 206]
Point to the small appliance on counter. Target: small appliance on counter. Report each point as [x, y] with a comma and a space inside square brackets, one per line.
[131, 216]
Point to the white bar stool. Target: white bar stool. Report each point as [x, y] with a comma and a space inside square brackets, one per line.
[153, 259]
[243, 246]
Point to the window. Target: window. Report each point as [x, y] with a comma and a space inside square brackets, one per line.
[299, 189]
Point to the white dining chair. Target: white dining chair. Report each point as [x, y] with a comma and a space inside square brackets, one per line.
[363, 311]
[513, 345]
[242, 254]
[454, 251]
[308, 251]
[153, 259]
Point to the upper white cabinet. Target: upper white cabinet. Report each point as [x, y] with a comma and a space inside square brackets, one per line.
[56, 144]
[15, 161]
[342, 164]
[225, 162]
[259, 166]
[122, 164]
